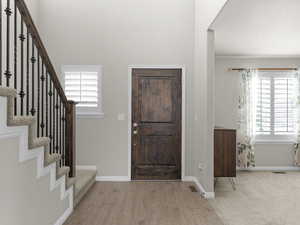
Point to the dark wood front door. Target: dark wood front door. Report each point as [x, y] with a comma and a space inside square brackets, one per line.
[156, 124]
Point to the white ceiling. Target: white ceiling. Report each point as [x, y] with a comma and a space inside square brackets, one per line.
[258, 28]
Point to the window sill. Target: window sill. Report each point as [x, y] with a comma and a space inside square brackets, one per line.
[90, 115]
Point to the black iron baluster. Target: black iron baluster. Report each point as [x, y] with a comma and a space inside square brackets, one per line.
[8, 12]
[15, 54]
[47, 106]
[42, 96]
[64, 136]
[22, 93]
[57, 124]
[33, 60]
[50, 118]
[38, 93]
[60, 130]
[53, 123]
[27, 74]
[34, 95]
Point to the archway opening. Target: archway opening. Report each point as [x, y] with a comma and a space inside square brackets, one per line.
[253, 61]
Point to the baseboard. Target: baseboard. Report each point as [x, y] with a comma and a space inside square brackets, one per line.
[271, 168]
[113, 178]
[64, 217]
[61, 220]
[210, 195]
[81, 167]
[203, 192]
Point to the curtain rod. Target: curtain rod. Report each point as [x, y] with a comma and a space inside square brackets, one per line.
[264, 69]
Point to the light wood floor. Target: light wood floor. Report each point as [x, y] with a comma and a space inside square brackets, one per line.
[143, 203]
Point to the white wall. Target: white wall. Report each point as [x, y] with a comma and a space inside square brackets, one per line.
[25, 199]
[117, 34]
[202, 121]
[226, 104]
[33, 6]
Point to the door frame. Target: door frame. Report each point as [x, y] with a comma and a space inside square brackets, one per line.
[183, 110]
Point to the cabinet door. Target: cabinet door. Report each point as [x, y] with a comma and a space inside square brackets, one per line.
[225, 153]
[229, 143]
[218, 154]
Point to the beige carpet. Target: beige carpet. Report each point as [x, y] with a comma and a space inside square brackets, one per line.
[261, 198]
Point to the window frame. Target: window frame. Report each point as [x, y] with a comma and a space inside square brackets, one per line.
[273, 138]
[87, 112]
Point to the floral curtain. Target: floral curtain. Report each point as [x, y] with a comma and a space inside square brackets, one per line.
[297, 144]
[246, 122]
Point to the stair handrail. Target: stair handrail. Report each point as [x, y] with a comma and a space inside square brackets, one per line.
[70, 106]
[26, 16]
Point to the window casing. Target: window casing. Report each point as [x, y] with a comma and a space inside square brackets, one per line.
[276, 107]
[83, 85]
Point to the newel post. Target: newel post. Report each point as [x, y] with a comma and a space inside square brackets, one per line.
[71, 137]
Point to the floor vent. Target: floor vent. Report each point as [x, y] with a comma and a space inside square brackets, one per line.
[279, 172]
[193, 189]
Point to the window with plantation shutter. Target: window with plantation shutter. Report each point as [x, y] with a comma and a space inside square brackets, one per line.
[276, 106]
[263, 107]
[83, 85]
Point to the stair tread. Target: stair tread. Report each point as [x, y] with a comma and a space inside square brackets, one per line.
[83, 177]
[39, 142]
[61, 171]
[70, 181]
[21, 121]
[49, 159]
[6, 91]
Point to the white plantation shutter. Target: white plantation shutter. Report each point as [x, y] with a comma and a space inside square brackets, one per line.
[82, 85]
[284, 105]
[263, 108]
[276, 104]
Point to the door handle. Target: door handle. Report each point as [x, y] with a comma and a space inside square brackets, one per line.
[135, 132]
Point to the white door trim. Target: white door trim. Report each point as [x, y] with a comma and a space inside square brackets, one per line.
[183, 130]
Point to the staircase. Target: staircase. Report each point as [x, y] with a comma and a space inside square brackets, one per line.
[35, 99]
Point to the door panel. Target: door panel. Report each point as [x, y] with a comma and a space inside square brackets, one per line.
[156, 124]
[156, 101]
[158, 149]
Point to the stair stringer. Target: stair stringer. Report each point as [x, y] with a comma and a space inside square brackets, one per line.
[38, 153]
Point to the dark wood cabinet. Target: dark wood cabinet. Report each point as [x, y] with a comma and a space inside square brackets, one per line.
[224, 152]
